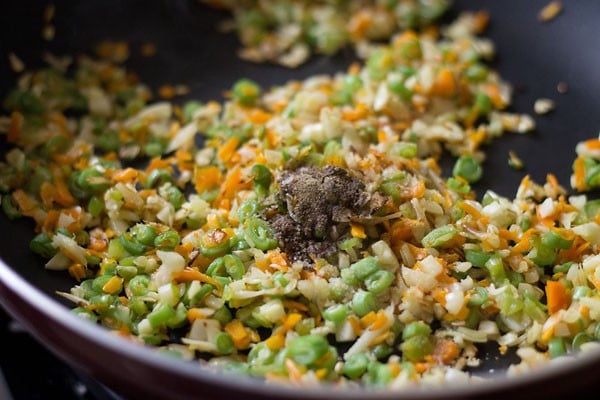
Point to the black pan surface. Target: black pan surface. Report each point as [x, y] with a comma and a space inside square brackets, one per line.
[535, 57]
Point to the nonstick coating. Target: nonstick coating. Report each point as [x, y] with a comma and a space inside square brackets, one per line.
[534, 56]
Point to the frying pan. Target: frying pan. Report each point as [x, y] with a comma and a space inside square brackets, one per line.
[533, 56]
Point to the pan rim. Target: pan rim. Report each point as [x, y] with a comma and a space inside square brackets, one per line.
[11, 283]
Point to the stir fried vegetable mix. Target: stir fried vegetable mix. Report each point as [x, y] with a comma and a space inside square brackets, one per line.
[286, 33]
[311, 236]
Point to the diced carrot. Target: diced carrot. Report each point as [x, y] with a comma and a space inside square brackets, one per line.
[493, 92]
[234, 183]
[77, 271]
[113, 285]
[194, 314]
[524, 244]
[157, 163]
[368, 319]
[26, 205]
[444, 84]
[592, 144]
[206, 178]
[184, 249]
[259, 116]
[227, 150]
[275, 342]
[380, 320]
[481, 20]
[125, 175]
[359, 112]
[445, 351]
[166, 92]
[357, 230]
[14, 128]
[579, 174]
[359, 25]
[380, 338]
[293, 370]
[292, 319]
[189, 275]
[355, 323]
[557, 296]
[239, 334]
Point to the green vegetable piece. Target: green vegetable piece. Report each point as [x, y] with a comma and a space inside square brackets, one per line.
[379, 281]
[365, 267]
[246, 91]
[42, 244]
[363, 303]
[260, 234]
[556, 347]
[307, 350]
[416, 348]
[579, 340]
[356, 365]
[479, 297]
[158, 177]
[495, 267]
[336, 313]
[439, 236]
[224, 343]
[554, 240]
[161, 315]
[467, 168]
[167, 240]
[416, 328]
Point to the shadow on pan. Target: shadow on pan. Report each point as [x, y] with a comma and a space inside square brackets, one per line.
[535, 57]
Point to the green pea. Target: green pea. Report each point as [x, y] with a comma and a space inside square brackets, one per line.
[247, 209]
[175, 197]
[99, 282]
[262, 178]
[131, 245]
[246, 92]
[417, 328]
[479, 297]
[223, 315]
[483, 103]
[336, 313]
[190, 108]
[260, 233]
[144, 234]
[167, 240]
[356, 365]
[379, 281]
[580, 339]
[556, 347]
[467, 168]
[42, 244]
[92, 181]
[363, 303]
[416, 348]
[11, 210]
[95, 206]
[307, 350]
[138, 285]
[161, 315]
[158, 177]
[224, 343]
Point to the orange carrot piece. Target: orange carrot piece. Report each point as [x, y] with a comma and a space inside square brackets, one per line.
[444, 84]
[557, 296]
[206, 178]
